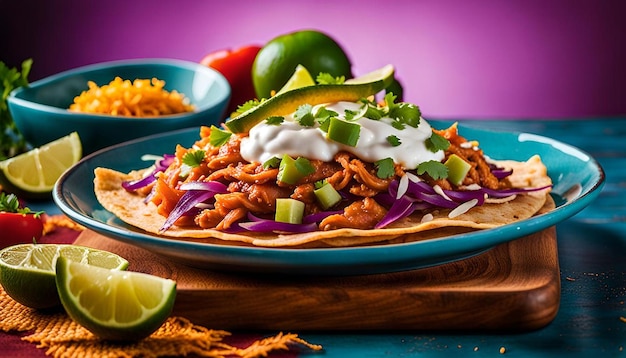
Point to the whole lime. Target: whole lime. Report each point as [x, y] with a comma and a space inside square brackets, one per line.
[278, 59]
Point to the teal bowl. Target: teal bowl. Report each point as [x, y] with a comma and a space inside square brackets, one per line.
[40, 111]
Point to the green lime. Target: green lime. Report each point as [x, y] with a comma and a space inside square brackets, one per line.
[113, 304]
[34, 173]
[287, 102]
[27, 271]
[278, 59]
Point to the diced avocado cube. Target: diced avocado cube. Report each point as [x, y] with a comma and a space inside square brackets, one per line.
[327, 196]
[457, 169]
[289, 210]
[288, 171]
[344, 132]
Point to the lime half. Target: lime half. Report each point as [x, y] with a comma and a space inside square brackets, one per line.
[35, 172]
[27, 271]
[113, 304]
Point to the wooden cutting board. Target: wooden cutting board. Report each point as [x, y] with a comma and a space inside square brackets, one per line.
[514, 286]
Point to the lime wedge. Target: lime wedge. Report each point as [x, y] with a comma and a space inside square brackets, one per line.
[36, 171]
[27, 271]
[300, 78]
[113, 304]
[287, 102]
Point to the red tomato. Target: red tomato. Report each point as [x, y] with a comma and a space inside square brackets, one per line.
[236, 66]
[18, 228]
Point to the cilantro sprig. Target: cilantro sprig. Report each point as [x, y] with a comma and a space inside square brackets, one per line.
[434, 169]
[393, 140]
[194, 158]
[190, 160]
[327, 79]
[218, 137]
[275, 120]
[12, 142]
[9, 203]
[436, 143]
[385, 168]
[247, 106]
[402, 113]
[304, 115]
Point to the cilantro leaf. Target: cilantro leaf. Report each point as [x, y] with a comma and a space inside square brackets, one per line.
[320, 183]
[393, 140]
[246, 106]
[433, 168]
[218, 137]
[386, 168]
[351, 115]
[390, 100]
[323, 115]
[327, 79]
[12, 141]
[275, 120]
[406, 113]
[304, 115]
[273, 162]
[304, 166]
[373, 112]
[397, 125]
[436, 143]
[9, 203]
[193, 158]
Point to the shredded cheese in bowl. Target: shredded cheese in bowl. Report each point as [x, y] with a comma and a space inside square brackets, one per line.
[139, 98]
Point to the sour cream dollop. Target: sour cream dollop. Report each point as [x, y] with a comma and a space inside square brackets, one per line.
[266, 141]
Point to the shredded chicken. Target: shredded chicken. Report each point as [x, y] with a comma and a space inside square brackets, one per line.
[254, 188]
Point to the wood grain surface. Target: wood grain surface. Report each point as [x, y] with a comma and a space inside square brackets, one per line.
[514, 286]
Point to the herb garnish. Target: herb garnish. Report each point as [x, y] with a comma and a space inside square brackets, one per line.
[275, 120]
[304, 166]
[327, 79]
[9, 203]
[436, 143]
[386, 168]
[194, 158]
[218, 137]
[12, 142]
[190, 160]
[402, 113]
[304, 115]
[434, 169]
[393, 140]
[273, 162]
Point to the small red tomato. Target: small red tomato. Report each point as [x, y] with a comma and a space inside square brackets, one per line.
[16, 228]
[236, 66]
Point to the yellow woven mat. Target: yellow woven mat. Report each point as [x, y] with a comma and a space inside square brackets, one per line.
[62, 337]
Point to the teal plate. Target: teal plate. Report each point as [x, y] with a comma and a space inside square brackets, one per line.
[577, 177]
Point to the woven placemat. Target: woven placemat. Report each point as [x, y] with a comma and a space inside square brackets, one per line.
[63, 338]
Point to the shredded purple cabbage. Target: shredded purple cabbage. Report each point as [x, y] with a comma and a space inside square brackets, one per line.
[160, 165]
[197, 193]
[258, 224]
[499, 172]
[423, 194]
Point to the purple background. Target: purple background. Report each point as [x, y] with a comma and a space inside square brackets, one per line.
[455, 58]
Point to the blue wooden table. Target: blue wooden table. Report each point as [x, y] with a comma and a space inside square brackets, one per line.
[592, 254]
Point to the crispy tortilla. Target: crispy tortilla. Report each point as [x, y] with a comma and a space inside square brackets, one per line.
[132, 209]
